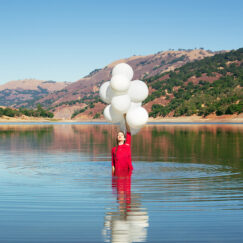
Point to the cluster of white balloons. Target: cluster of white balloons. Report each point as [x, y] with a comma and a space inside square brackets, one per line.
[125, 97]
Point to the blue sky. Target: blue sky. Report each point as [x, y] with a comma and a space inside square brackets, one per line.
[64, 40]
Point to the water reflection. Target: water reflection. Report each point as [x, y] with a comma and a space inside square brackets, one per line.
[129, 222]
[215, 144]
[56, 184]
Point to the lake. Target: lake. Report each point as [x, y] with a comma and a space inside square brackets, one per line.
[56, 184]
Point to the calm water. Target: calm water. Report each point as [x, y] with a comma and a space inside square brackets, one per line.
[56, 184]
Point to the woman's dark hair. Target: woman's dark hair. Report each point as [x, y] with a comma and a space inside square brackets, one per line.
[124, 137]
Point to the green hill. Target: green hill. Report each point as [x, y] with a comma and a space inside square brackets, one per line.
[211, 85]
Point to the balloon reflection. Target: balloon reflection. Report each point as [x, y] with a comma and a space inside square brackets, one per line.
[130, 221]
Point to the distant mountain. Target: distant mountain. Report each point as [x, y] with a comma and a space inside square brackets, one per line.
[81, 100]
[212, 86]
[83, 94]
[25, 92]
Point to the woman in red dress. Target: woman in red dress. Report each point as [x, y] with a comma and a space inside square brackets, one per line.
[121, 154]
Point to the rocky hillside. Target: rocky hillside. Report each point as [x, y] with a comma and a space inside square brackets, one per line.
[25, 92]
[83, 94]
[213, 86]
[208, 87]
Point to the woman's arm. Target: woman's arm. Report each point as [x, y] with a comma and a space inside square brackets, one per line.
[130, 162]
[113, 161]
[113, 169]
[127, 127]
[128, 135]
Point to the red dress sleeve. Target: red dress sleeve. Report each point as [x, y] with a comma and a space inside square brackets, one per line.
[128, 138]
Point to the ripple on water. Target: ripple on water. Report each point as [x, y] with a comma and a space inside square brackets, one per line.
[65, 188]
[173, 170]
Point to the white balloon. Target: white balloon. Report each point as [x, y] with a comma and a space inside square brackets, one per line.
[135, 105]
[107, 114]
[112, 115]
[123, 69]
[121, 103]
[136, 118]
[120, 83]
[103, 92]
[107, 93]
[133, 131]
[110, 93]
[138, 91]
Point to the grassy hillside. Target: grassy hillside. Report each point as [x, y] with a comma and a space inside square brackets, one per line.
[211, 85]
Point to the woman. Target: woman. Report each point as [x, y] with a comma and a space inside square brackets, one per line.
[121, 154]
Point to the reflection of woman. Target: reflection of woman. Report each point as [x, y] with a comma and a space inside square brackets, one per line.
[129, 223]
[121, 154]
[121, 185]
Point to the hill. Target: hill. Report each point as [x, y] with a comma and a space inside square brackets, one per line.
[21, 93]
[209, 86]
[81, 98]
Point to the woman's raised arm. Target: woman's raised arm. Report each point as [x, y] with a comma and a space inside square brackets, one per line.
[128, 135]
[127, 127]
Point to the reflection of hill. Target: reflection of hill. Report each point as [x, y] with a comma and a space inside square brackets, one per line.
[188, 143]
[25, 138]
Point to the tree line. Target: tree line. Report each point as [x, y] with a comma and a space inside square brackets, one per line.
[38, 112]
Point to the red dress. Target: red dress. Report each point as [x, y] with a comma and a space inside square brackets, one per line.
[121, 156]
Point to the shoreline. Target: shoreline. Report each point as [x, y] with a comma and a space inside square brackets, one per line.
[197, 119]
[191, 119]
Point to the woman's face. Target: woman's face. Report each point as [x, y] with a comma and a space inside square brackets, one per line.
[120, 137]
